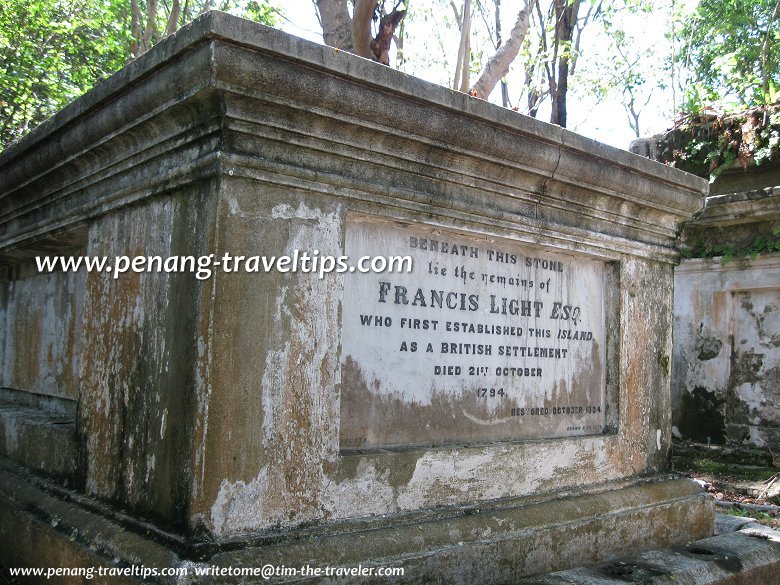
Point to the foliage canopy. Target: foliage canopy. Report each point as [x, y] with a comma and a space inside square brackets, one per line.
[722, 53]
[706, 144]
[52, 51]
[731, 49]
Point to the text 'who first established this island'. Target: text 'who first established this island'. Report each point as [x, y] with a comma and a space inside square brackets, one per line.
[484, 340]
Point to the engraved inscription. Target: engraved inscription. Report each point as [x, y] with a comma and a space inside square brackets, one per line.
[485, 340]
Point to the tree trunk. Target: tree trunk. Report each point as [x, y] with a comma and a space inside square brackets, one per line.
[361, 27]
[465, 80]
[336, 23]
[173, 18]
[151, 31]
[463, 62]
[354, 34]
[565, 21]
[558, 93]
[499, 63]
[135, 28]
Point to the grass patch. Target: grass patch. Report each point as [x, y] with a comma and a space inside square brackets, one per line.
[711, 467]
[757, 515]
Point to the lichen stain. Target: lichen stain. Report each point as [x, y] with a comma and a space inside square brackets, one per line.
[746, 367]
[752, 392]
[28, 333]
[371, 418]
[111, 367]
[39, 342]
[203, 392]
[298, 386]
[240, 507]
[644, 343]
[708, 348]
[458, 476]
[635, 409]
[746, 302]
[446, 476]
[369, 491]
[771, 380]
[300, 412]
[767, 321]
[123, 361]
[589, 380]
[769, 326]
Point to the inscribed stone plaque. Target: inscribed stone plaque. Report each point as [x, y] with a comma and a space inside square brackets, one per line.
[483, 340]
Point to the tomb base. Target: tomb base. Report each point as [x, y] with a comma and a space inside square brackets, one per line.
[42, 525]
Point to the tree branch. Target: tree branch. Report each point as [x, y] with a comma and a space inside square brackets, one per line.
[489, 30]
[499, 40]
[499, 63]
[457, 15]
[465, 79]
[593, 10]
[543, 42]
[462, 63]
[380, 45]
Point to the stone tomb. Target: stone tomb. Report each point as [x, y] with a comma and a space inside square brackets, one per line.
[501, 411]
[726, 361]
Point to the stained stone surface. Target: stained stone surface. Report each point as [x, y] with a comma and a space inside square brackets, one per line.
[726, 366]
[481, 340]
[228, 408]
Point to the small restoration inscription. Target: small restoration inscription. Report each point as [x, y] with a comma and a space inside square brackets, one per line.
[484, 340]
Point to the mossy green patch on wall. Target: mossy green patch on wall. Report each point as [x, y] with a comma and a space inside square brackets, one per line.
[731, 243]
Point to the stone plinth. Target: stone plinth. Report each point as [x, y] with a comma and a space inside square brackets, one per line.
[227, 410]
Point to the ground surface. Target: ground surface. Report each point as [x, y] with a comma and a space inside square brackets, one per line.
[744, 482]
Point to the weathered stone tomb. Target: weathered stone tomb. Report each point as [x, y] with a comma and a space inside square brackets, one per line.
[726, 374]
[501, 411]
